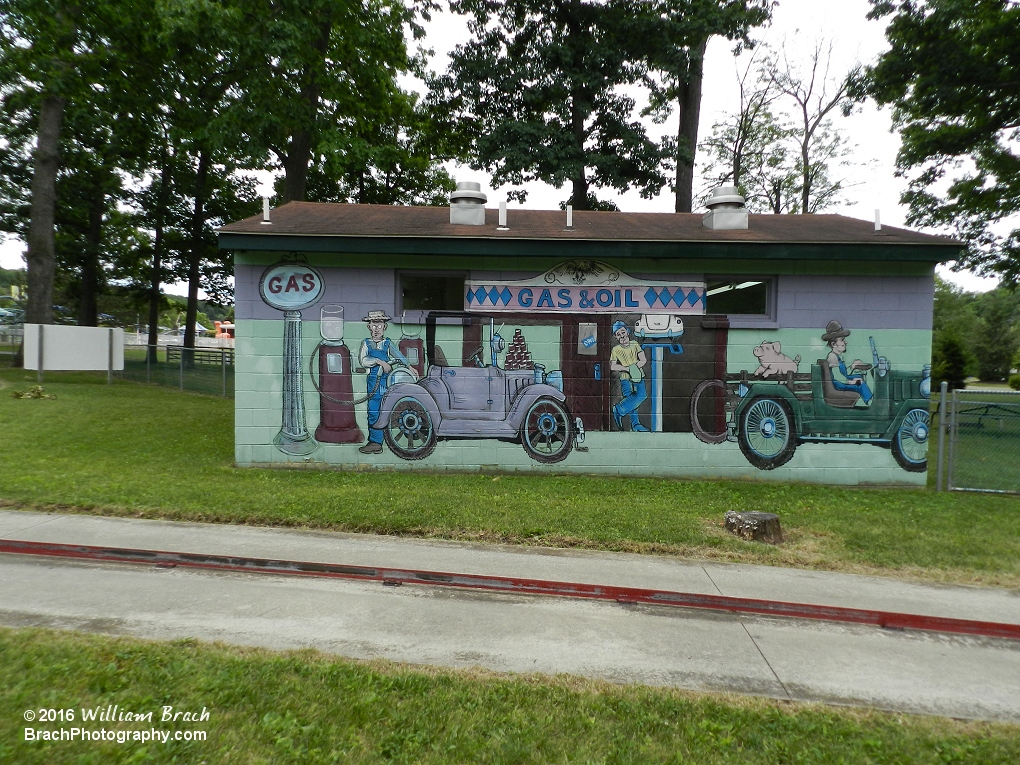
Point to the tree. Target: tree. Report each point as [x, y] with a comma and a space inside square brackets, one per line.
[998, 336]
[319, 77]
[747, 149]
[62, 72]
[674, 40]
[781, 145]
[949, 361]
[539, 90]
[390, 160]
[41, 48]
[951, 77]
[815, 95]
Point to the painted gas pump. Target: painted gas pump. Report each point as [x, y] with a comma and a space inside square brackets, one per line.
[290, 286]
[412, 347]
[337, 423]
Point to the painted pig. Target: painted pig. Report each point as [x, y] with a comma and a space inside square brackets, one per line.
[772, 361]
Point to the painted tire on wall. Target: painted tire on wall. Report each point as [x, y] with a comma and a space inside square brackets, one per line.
[708, 411]
[547, 431]
[766, 433]
[910, 444]
[410, 432]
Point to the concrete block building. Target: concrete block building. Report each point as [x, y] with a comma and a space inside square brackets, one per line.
[721, 345]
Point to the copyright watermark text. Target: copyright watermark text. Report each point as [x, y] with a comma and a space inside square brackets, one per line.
[112, 723]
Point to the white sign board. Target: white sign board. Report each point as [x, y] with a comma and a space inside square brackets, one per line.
[74, 348]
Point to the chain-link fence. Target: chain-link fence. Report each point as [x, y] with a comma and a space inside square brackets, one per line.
[979, 441]
[200, 370]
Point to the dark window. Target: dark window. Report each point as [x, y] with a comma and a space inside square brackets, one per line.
[431, 292]
[746, 296]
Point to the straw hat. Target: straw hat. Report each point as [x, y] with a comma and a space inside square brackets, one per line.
[376, 316]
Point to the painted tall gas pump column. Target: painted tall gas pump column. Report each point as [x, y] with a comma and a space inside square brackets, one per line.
[289, 287]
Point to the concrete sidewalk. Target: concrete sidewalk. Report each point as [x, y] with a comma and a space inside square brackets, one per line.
[907, 671]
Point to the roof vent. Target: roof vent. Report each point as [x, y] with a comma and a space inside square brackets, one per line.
[725, 210]
[467, 204]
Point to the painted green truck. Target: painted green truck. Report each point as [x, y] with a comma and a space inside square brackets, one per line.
[769, 418]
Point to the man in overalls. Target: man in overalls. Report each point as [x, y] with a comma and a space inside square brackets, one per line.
[377, 356]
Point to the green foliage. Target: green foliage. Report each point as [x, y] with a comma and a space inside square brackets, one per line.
[12, 277]
[1014, 382]
[539, 88]
[320, 100]
[121, 448]
[949, 361]
[950, 75]
[311, 708]
[998, 337]
[985, 325]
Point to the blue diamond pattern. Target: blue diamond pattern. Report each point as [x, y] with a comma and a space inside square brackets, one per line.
[505, 296]
[650, 296]
[694, 297]
[470, 297]
[480, 295]
[493, 295]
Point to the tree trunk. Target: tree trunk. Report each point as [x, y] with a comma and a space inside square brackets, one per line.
[40, 257]
[299, 151]
[690, 115]
[195, 261]
[162, 202]
[88, 309]
[805, 191]
[579, 184]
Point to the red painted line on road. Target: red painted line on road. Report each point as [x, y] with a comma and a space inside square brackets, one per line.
[516, 585]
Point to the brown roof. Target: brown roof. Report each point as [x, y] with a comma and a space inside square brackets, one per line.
[320, 219]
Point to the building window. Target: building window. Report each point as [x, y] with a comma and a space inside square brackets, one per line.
[431, 292]
[740, 296]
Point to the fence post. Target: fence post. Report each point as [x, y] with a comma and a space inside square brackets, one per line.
[953, 429]
[182, 368]
[944, 389]
[109, 357]
[223, 369]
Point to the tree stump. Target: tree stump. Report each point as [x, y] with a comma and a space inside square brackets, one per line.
[763, 527]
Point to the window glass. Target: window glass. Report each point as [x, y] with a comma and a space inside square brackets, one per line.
[431, 292]
[742, 296]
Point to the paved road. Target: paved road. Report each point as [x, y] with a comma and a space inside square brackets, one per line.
[791, 659]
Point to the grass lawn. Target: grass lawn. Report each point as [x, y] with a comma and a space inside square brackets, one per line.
[143, 451]
[309, 708]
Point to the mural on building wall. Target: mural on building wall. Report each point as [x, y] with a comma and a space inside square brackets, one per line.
[772, 410]
[625, 362]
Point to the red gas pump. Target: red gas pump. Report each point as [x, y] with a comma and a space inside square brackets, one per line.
[337, 423]
[411, 347]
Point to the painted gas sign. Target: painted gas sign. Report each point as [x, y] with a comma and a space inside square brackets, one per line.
[290, 286]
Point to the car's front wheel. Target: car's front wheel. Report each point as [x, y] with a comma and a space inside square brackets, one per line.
[410, 433]
[910, 444]
[547, 432]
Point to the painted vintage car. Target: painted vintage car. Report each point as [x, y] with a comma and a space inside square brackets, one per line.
[770, 418]
[525, 406]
